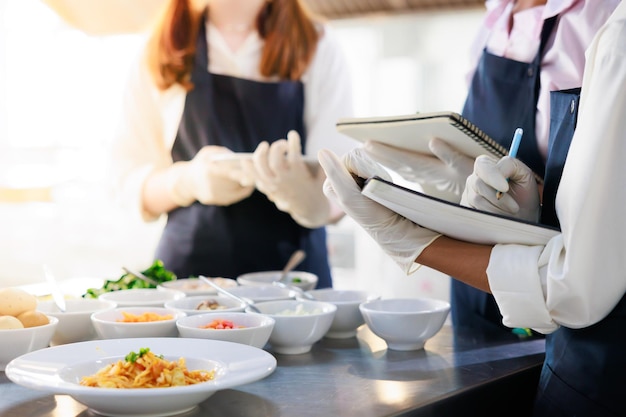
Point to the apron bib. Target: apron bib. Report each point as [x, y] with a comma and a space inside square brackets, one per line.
[250, 235]
[589, 360]
[502, 97]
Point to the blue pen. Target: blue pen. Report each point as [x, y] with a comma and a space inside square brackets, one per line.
[517, 139]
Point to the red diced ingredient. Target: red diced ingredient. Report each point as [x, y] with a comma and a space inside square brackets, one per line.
[219, 324]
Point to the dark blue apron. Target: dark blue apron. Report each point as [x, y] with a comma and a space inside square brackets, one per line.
[590, 360]
[250, 235]
[502, 97]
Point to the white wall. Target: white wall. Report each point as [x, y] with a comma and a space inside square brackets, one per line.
[59, 91]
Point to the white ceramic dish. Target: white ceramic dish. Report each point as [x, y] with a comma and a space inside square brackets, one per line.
[189, 304]
[58, 370]
[405, 323]
[304, 280]
[261, 293]
[299, 324]
[194, 286]
[108, 326]
[255, 332]
[348, 316]
[142, 297]
[16, 342]
[75, 322]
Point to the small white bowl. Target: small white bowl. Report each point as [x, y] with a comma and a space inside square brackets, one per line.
[17, 342]
[405, 323]
[75, 322]
[108, 325]
[299, 324]
[195, 286]
[348, 317]
[190, 304]
[303, 280]
[255, 332]
[142, 297]
[261, 293]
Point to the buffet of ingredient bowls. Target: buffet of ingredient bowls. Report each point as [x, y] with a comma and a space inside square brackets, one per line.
[238, 327]
[298, 324]
[75, 322]
[142, 297]
[348, 316]
[405, 323]
[201, 304]
[126, 322]
[300, 279]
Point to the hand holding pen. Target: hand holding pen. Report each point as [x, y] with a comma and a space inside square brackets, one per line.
[517, 139]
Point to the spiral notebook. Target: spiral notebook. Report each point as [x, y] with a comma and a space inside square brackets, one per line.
[454, 220]
[414, 131]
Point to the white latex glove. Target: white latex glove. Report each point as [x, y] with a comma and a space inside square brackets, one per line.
[202, 180]
[281, 173]
[520, 198]
[399, 237]
[442, 175]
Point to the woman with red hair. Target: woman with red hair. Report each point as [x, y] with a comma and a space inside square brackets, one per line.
[220, 78]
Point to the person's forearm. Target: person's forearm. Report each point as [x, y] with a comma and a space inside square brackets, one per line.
[464, 261]
[155, 198]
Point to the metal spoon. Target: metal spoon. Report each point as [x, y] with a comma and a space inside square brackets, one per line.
[141, 276]
[229, 294]
[294, 260]
[55, 290]
[293, 288]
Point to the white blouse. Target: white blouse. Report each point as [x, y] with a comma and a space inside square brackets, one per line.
[150, 117]
[580, 275]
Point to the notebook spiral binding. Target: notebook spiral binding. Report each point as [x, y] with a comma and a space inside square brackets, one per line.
[474, 131]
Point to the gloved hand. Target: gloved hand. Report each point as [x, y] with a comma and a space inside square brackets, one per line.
[442, 175]
[202, 180]
[283, 176]
[520, 198]
[399, 237]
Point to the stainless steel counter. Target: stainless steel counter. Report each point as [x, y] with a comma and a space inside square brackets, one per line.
[456, 374]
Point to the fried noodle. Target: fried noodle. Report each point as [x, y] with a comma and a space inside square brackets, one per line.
[146, 370]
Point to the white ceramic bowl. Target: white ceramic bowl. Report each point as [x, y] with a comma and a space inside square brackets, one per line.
[195, 286]
[108, 325]
[17, 342]
[190, 304]
[142, 297]
[75, 322]
[261, 293]
[255, 332]
[303, 280]
[348, 316]
[299, 324]
[405, 323]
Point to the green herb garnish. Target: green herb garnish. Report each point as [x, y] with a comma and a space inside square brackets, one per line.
[133, 356]
[296, 279]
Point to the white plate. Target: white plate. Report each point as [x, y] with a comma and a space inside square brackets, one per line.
[59, 369]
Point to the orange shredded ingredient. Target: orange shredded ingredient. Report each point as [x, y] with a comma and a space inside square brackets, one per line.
[148, 371]
[144, 317]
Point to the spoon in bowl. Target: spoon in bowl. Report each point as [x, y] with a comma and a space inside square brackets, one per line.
[229, 294]
[55, 290]
[294, 260]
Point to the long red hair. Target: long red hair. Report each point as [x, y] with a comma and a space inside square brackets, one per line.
[288, 28]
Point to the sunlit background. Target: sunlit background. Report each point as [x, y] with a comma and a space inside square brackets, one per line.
[60, 91]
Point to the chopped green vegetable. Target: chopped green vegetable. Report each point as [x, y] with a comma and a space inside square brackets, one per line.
[156, 271]
[133, 356]
[296, 279]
